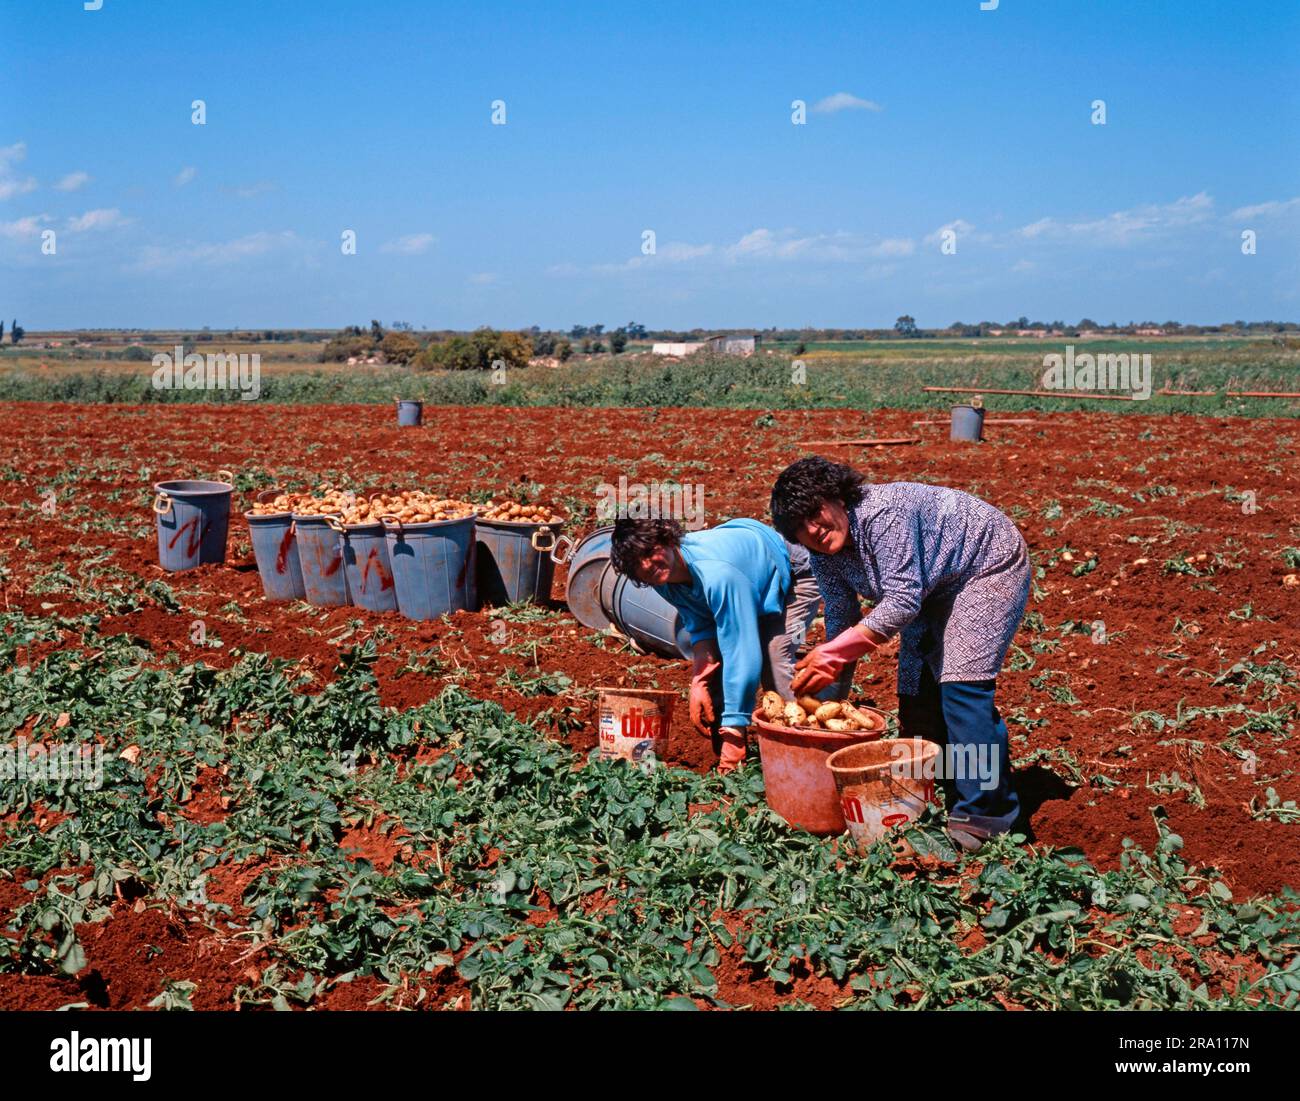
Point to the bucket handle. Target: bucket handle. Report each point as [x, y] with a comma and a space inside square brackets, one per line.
[560, 556]
[162, 503]
[227, 476]
[542, 532]
[391, 521]
[335, 524]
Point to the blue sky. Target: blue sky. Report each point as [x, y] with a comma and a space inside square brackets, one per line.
[327, 115]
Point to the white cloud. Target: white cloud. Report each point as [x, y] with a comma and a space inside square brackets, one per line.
[843, 101]
[72, 181]
[1023, 266]
[1123, 227]
[893, 246]
[97, 219]
[483, 278]
[185, 175]
[158, 258]
[410, 245]
[24, 227]
[11, 185]
[1269, 209]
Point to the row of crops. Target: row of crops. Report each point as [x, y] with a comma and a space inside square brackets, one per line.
[535, 884]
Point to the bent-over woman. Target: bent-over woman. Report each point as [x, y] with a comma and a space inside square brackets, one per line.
[949, 574]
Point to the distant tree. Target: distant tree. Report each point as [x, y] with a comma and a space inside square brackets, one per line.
[2, 330]
[563, 350]
[401, 326]
[578, 332]
[16, 331]
[477, 352]
[598, 347]
[399, 347]
[635, 330]
[618, 341]
[136, 354]
[1087, 323]
[596, 330]
[800, 348]
[376, 332]
[906, 325]
[585, 346]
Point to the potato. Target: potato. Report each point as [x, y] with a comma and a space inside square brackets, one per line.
[829, 710]
[809, 703]
[773, 706]
[794, 715]
[838, 725]
[859, 718]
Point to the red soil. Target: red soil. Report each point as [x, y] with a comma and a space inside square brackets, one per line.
[1170, 634]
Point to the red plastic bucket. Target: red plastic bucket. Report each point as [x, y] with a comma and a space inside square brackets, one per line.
[800, 788]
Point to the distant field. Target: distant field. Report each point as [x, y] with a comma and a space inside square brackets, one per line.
[862, 375]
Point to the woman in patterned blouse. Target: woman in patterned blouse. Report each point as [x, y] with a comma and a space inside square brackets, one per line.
[947, 573]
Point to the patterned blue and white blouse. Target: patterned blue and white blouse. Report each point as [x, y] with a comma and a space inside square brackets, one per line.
[946, 571]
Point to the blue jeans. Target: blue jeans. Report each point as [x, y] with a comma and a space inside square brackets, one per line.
[975, 763]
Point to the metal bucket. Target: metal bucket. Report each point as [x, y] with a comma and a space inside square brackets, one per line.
[967, 423]
[275, 546]
[598, 598]
[193, 518]
[433, 566]
[514, 562]
[409, 413]
[365, 562]
[320, 554]
[649, 620]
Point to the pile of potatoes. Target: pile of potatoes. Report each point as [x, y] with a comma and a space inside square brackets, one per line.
[414, 506]
[812, 714]
[326, 502]
[281, 502]
[513, 512]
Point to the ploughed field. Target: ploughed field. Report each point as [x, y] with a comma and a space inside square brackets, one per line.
[327, 808]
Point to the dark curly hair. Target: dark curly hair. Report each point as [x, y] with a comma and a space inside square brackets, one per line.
[803, 486]
[634, 539]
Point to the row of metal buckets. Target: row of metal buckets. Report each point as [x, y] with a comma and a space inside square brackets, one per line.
[419, 570]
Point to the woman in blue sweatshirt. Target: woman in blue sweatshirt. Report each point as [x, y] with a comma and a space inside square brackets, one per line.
[746, 598]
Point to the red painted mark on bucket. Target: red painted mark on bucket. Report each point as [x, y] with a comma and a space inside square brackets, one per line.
[282, 555]
[193, 548]
[181, 531]
[852, 809]
[894, 819]
[335, 562]
[372, 559]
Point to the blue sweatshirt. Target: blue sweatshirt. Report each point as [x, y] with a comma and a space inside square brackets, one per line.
[740, 570]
